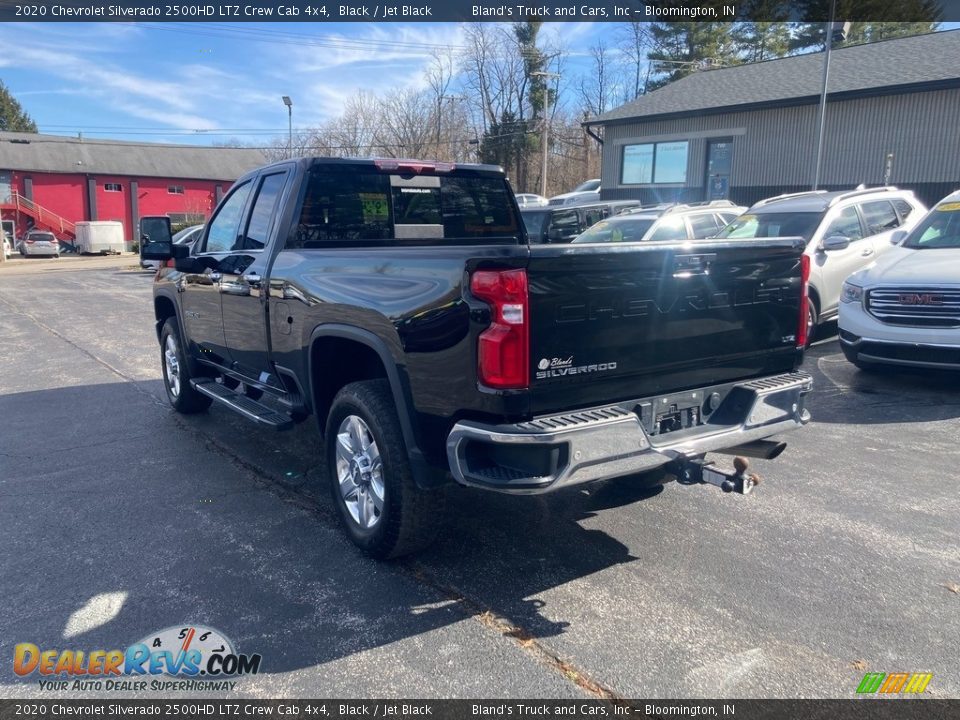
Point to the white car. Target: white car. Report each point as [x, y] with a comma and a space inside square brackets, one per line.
[525, 200]
[845, 231]
[7, 246]
[588, 191]
[40, 242]
[904, 309]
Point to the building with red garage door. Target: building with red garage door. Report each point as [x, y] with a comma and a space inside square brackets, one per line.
[52, 182]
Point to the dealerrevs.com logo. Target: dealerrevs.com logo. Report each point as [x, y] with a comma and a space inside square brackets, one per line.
[178, 658]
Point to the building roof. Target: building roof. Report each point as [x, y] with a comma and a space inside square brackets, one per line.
[903, 63]
[58, 154]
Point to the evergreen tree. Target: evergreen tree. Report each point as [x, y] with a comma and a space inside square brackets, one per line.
[765, 33]
[681, 48]
[13, 118]
[870, 20]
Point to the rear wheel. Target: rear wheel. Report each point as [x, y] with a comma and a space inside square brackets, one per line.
[379, 503]
[176, 372]
[812, 317]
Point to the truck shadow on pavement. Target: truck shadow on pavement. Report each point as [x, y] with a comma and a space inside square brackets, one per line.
[130, 500]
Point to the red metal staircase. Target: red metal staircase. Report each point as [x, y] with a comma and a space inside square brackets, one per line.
[43, 219]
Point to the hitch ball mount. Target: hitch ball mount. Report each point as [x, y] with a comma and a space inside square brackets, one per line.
[695, 471]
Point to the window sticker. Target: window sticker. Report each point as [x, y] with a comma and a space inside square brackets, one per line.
[375, 208]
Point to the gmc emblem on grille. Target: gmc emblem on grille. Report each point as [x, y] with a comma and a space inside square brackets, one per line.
[925, 299]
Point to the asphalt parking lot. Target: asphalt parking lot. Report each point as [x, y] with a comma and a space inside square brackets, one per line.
[119, 518]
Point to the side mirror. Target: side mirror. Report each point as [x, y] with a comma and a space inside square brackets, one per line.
[898, 237]
[835, 242]
[156, 240]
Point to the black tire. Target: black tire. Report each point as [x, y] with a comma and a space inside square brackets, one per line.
[813, 317]
[410, 516]
[185, 400]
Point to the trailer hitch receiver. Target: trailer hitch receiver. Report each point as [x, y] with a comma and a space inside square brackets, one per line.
[693, 471]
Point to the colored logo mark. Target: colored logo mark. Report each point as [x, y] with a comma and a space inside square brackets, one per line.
[894, 683]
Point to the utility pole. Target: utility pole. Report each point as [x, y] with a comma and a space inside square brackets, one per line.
[838, 31]
[289, 103]
[546, 126]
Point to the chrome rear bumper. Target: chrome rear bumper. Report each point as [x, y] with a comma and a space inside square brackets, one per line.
[548, 453]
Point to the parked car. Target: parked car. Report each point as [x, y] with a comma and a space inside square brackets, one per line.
[521, 370]
[187, 236]
[664, 222]
[531, 200]
[904, 309]
[7, 246]
[563, 224]
[40, 242]
[845, 231]
[588, 191]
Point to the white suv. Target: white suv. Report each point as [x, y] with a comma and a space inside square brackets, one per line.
[905, 308]
[845, 231]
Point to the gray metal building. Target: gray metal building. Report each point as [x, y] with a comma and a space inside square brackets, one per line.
[748, 132]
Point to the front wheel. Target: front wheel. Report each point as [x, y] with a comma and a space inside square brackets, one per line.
[383, 510]
[176, 372]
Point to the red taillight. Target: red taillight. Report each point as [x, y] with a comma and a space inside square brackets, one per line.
[804, 299]
[503, 352]
[413, 166]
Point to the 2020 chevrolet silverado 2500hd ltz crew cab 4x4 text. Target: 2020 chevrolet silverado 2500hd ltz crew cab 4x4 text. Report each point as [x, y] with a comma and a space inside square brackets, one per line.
[400, 304]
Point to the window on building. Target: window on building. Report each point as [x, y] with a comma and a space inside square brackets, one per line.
[654, 163]
[112, 187]
[175, 189]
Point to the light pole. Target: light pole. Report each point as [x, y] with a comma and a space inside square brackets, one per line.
[546, 126]
[831, 30]
[289, 103]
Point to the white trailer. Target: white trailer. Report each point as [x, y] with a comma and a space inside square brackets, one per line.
[100, 236]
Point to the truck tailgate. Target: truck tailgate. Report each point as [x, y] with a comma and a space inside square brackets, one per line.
[617, 322]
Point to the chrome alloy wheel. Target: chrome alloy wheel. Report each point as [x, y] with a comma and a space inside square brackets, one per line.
[359, 472]
[172, 366]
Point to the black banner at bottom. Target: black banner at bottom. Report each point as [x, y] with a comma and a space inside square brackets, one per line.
[855, 709]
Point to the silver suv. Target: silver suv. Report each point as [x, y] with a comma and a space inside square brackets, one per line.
[663, 222]
[845, 231]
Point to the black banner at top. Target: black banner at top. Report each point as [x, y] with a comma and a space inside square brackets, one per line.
[387, 11]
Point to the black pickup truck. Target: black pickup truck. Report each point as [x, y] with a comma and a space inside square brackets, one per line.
[400, 303]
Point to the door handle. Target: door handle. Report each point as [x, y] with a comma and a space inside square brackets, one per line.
[252, 279]
[215, 276]
[867, 252]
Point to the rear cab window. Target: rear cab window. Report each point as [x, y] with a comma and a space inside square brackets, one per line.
[359, 204]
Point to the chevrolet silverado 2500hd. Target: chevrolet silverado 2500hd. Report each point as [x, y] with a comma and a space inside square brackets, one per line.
[400, 304]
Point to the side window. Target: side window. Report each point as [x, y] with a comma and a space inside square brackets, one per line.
[593, 216]
[343, 206]
[225, 225]
[846, 224]
[879, 216]
[261, 216]
[563, 226]
[671, 228]
[703, 225]
[726, 218]
[903, 208]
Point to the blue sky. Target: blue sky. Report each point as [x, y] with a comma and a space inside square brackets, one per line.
[169, 81]
[203, 83]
